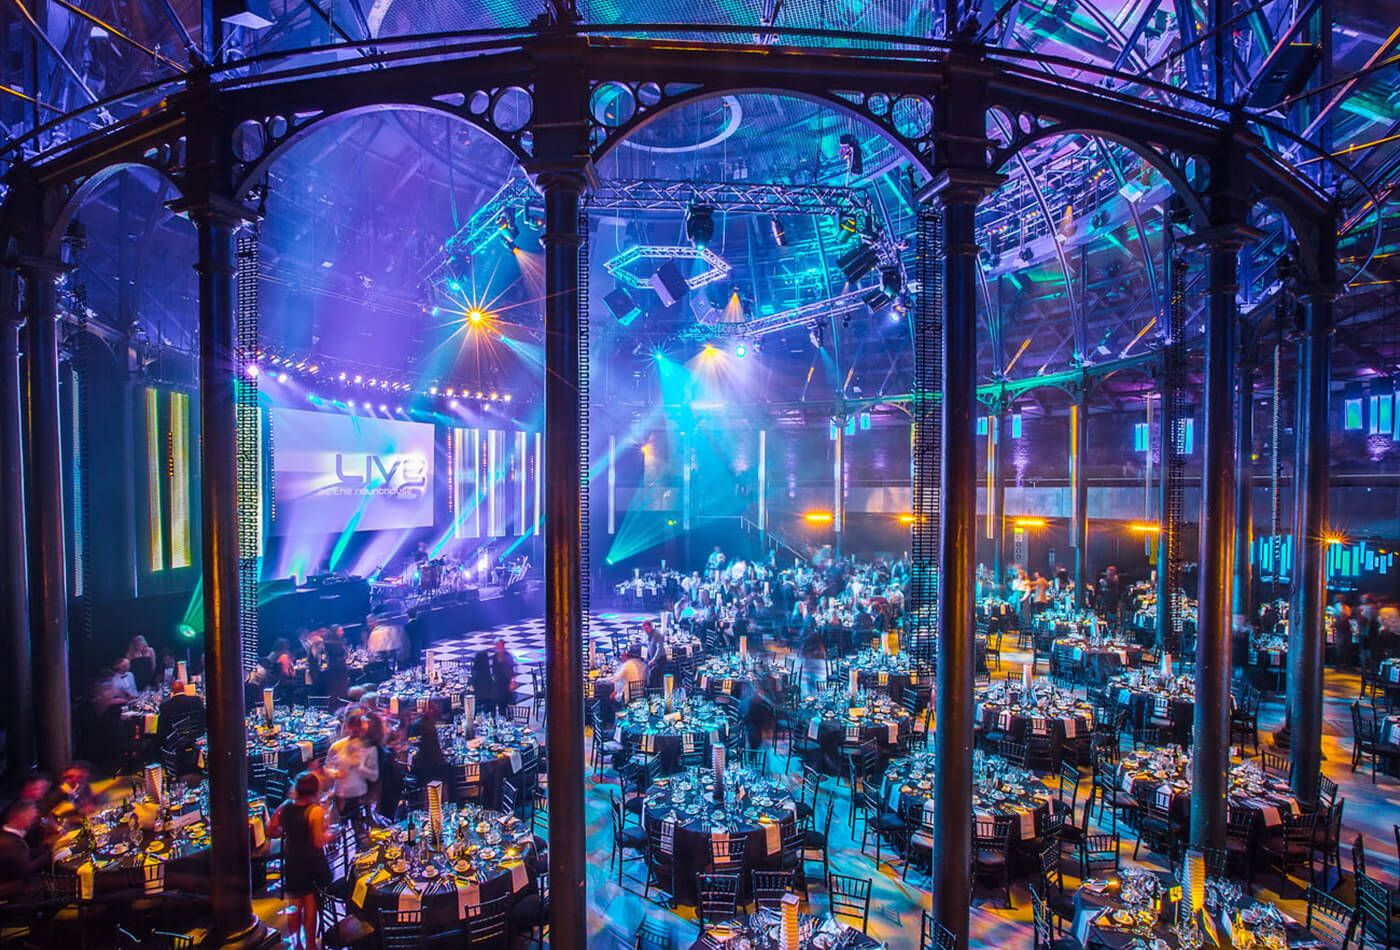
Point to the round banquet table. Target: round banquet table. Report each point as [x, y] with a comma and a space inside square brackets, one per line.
[763, 932]
[413, 690]
[687, 800]
[295, 738]
[483, 855]
[1095, 662]
[721, 675]
[500, 750]
[892, 673]
[999, 791]
[831, 724]
[1141, 690]
[1059, 716]
[1166, 774]
[1102, 920]
[176, 857]
[692, 726]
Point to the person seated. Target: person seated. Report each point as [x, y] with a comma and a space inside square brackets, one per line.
[631, 670]
[142, 660]
[72, 795]
[123, 680]
[182, 706]
[19, 863]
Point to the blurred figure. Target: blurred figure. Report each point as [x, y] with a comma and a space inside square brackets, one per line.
[301, 823]
[353, 763]
[142, 660]
[503, 674]
[484, 683]
[19, 863]
[655, 653]
[429, 762]
[123, 679]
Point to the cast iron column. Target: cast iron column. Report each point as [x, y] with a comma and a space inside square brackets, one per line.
[227, 761]
[1080, 487]
[1166, 526]
[1243, 599]
[17, 683]
[1306, 624]
[958, 193]
[48, 568]
[838, 485]
[1210, 761]
[563, 513]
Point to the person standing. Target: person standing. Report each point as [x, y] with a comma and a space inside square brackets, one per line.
[655, 653]
[503, 674]
[142, 660]
[484, 683]
[300, 822]
[354, 764]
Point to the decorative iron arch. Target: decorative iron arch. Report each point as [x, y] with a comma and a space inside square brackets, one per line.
[879, 110]
[277, 134]
[65, 199]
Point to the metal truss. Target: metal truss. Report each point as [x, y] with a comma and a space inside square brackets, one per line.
[634, 194]
[718, 268]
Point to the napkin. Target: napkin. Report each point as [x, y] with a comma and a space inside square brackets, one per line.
[152, 722]
[409, 899]
[1270, 813]
[773, 839]
[894, 733]
[1071, 727]
[514, 760]
[1027, 817]
[306, 750]
[518, 876]
[468, 896]
[812, 727]
[86, 870]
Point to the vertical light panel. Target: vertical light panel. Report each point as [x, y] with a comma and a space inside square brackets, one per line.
[495, 444]
[476, 483]
[79, 521]
[153, 480]
[538, 467]
[685, 482]
[612, 484]
[762, 479]
[993, 423]
[1073, 476]
[521, 521]
[180, 554]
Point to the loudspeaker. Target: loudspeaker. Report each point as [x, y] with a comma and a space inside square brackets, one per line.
[669, 283]
[623, 307]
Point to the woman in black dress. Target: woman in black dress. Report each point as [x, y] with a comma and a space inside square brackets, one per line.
[301, 823]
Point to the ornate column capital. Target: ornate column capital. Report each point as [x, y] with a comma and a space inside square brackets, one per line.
[960, 186]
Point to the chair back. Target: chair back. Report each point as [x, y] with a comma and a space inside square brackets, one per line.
[400, 929]
[727, 852]
[1044, 923]
[1373, 907]
[1329, 918]
[850, 897]
[769, 887]
[652, 936]
[487, 924]
[717, 898]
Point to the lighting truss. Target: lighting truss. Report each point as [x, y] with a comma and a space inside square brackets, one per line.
[718, 267]
[483, 226]
[849, 302]
[640, 194]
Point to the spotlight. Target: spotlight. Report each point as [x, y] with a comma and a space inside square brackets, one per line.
[510, 231]
[1102, 349]
[741, 351]
[505, 397]
[253, 370]
[432, 390]
[495, 396]
[281, 377]
[350, 404]
[775, 224]
[847, 226]
[534, 215]
[877, 300]
[709, 349]
[359, 379]
[383, 408]
[372, 381]
[450, 391]
[342, 377]
[476, 315]
[857, 262]
[814, 333]
[700, 224]
[852, 153]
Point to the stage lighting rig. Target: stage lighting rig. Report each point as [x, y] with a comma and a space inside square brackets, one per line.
[510, 231]
[814, 333]
[700, 224]
[891, 280]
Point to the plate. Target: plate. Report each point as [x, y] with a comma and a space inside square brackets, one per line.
[119, 848]
[430, 872]
[462, 866]
[399, 867]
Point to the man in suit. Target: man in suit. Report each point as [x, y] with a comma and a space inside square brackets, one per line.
[19, 863]
[181, 706]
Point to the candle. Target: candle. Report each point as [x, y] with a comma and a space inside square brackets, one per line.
[670, 684]
[1166, 664]
[1194, 880]
[855, 682]
[743, 648]
[182, 672]
[267, 704]
[435, 807]
[155, 782]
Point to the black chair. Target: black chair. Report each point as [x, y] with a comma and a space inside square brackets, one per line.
[1294, 847]
[879, 821]
[769, 887]
[651, 936]
[1375, 921]
[1154, 823]
[624, 839]
[1329, 837]
[818, 840]
[1046, 933]
[1274, 764]
[850, 897]
[661, 860]
[400, 929]
[488, 923]
[755, 759]
[1052, 884]
[991, 852]
[1239, 843]
[1015, 753]
[530, 914]
[1068, 797]
[935, 936]
[1367, 740]
[717, 898]
[1330, 918]
[1099, 851]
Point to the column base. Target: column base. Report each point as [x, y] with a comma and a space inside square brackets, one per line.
[258, 936]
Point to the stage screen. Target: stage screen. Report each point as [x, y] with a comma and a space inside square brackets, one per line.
[335, 473]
